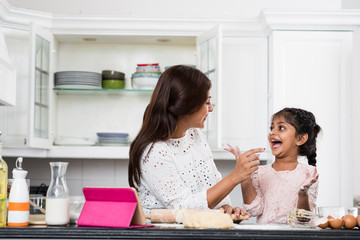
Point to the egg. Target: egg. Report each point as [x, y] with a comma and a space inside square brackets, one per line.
[336, 223]
[330, 217]
[322, 222]
[349, 221]
[358, 220]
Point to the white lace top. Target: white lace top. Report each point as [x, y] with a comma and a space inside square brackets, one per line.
[177, 173]
[277, 192]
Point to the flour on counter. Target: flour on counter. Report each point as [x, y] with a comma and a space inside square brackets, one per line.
[267, 227]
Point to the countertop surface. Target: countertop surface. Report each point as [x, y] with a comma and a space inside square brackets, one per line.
[177, 231]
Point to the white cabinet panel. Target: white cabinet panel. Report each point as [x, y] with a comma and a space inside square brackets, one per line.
[7, 75]
[40, 91]
[28, 123]
[209, 48]
[244, 92]
[14, 120]
[312, 70]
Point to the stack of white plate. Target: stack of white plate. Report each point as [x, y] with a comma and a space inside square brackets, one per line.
[112, 138]
[78, 79]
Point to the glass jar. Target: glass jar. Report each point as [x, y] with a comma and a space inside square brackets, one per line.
[57, 196]
[3, 189]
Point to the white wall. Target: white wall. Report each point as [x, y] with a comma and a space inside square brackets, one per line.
[350, 4]
[355, 127]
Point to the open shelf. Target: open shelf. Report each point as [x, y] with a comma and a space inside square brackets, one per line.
[98, 91]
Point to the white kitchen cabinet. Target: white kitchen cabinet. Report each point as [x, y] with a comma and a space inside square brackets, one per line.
[40, 91]
[7, 75]
[83, 113]
[244, 98]
[50, 114]
[313, 70]
[28, 124]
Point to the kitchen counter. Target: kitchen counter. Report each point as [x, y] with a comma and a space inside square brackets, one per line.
[177, 231]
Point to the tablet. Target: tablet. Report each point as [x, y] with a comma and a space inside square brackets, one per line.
[111, 207]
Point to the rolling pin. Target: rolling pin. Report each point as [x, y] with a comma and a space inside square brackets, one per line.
[176, 215]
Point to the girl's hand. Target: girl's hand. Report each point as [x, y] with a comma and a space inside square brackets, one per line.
[246, 163]
[237, 211]
[304, 188]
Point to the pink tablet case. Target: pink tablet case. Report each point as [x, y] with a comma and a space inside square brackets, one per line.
[111, 207]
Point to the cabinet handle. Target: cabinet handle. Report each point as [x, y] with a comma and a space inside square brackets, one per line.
[25, 141]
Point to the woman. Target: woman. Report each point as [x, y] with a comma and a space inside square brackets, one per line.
[171, 163]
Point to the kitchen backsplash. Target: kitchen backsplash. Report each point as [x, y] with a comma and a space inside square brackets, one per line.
[80, 172]
[97, 173]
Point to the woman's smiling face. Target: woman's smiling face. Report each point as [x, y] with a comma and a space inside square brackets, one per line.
[283, 139]
[197, 119]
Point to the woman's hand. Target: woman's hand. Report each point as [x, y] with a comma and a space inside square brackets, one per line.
[309, 180]
[246, 163]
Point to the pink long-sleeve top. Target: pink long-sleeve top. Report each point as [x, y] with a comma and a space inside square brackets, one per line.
[277, 192]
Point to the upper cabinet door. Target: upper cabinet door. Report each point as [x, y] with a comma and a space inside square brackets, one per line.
[245, 85]
[40, 95]
[7, 75]
[209, 58]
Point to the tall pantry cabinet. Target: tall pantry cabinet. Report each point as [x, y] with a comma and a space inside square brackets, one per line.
[313, 70]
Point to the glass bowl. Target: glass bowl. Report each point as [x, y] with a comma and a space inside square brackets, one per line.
[336, 212]
[301, 218]
[76, 205]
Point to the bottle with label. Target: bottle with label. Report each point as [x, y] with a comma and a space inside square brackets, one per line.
[3, 189]
[18, 210]
[57, 210]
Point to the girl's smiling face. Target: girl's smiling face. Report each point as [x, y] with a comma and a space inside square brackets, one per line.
[283, 140]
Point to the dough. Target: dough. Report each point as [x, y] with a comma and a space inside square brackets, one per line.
[207, 219]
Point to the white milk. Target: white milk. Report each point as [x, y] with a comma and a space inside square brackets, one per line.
[57, 211]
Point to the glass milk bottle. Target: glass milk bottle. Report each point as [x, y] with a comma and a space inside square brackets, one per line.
[57, 196]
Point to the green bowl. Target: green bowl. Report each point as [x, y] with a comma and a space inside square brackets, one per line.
[112, 75]
[113, 84]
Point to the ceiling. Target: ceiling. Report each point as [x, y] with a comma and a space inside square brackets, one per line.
[171, 8]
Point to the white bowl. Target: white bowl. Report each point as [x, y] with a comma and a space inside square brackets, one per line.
[144, 83]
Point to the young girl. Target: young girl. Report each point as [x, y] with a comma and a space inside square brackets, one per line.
[274, 190]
